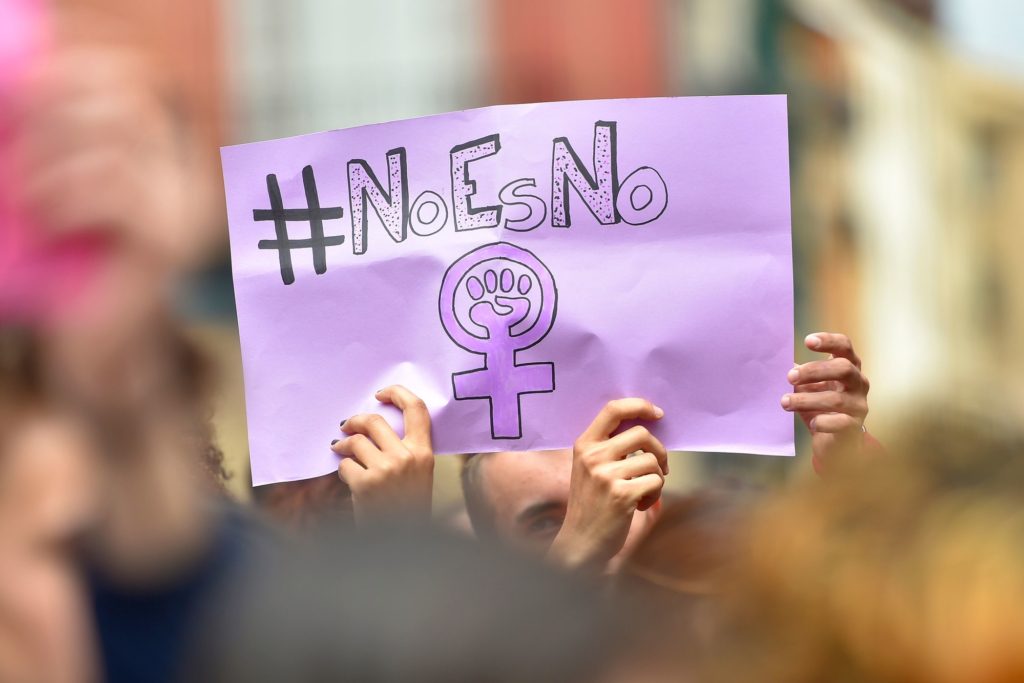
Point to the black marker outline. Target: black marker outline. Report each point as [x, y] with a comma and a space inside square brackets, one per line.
[313, 214]
[518, 183]
[364, 199]
[663, 184]
[414, 210]
[592, 182]
[515, 353]
[497, 208]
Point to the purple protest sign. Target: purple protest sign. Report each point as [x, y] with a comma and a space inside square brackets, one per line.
[517, 267]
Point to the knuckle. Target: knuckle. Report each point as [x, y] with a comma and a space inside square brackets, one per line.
[605, 476]
[651, 462]
[621, 494]
[592, 454]
[846, 368]
[375, 420]
[833, 400]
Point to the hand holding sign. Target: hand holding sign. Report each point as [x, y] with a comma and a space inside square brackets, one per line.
[613, 476]
[831, 396]
[382, 470]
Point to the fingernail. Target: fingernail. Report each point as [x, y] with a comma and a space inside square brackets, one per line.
[786, 401]
[343, 422]
[378, 392]
[658, 413]
[810, 425]
[334, 442]
[812, 341]
[793, 375]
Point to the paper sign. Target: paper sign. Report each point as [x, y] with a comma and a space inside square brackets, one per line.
[517, 267]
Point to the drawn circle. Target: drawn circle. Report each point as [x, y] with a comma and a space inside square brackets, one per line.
[506, 257]
[643, 183]
[646, 197]
[428, 214]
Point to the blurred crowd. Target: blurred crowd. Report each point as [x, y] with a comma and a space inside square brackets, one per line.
[130, 551]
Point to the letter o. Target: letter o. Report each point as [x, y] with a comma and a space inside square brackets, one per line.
[433, 222]
[642, 196]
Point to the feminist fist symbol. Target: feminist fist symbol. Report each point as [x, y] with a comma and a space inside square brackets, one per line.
[496, 301]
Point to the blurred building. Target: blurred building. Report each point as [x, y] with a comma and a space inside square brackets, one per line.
[925, 179]
[308, 65]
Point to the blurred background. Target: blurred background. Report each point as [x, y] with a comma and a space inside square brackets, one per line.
[906, 129]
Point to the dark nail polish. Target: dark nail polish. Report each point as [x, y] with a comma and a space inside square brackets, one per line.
[343, 423]
[334, 442]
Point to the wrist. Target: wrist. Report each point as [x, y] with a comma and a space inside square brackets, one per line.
[572, 551]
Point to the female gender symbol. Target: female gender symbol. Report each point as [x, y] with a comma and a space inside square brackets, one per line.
[496, 301]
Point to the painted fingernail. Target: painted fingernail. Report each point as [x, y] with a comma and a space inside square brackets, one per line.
[658, 413]
[334, 442]
[813, 341]
[786, 401]
[343, 422]
[793, 375]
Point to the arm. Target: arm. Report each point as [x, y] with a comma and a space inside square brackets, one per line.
[388, 474]
[608, 485]
[831, 397]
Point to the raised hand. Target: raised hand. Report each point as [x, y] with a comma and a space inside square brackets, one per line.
[613, 476]
[830, 396]
[388, 475]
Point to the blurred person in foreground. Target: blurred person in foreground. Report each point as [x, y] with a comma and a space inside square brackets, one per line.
[132, 518]
[909, 570]
[412, 604]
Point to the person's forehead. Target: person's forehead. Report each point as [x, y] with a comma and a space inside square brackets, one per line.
[511, 475]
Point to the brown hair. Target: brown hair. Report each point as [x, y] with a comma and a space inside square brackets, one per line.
[905, 569]
[23, 386]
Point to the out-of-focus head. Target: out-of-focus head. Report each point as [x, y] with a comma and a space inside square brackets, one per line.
[397, 605]
[521, 497]
[107, 197]
[902, 569]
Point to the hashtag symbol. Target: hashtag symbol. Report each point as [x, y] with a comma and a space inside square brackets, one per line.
[312, 214]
